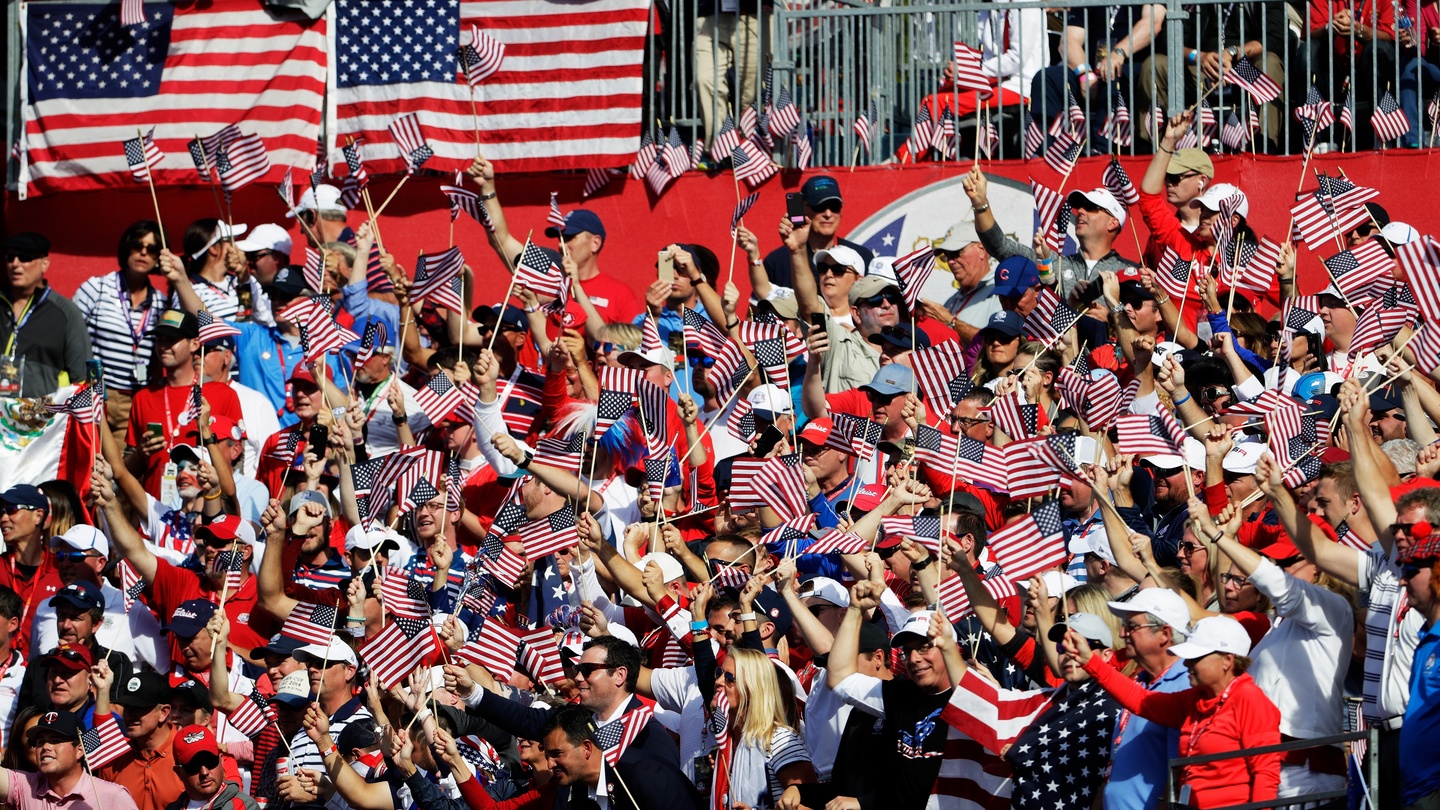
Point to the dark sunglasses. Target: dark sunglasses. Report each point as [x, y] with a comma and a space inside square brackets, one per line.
[1414, 531]
[877, 300]
[1213, 393]
[10, 257]
[728, 676]
[204, 759]
[833, 206]
[833, 269]
[1172, 179]
[73, 556]
[1412, 569]
[701, 360]
[12, 508]
[604, 348]
[139, 247]
[886, 553]
[586, 670]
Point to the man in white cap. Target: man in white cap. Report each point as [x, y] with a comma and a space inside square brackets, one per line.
[842, 355]
[332, 669]
[1099, 219]
[267, 249]
[321, 209]
[215, 265]
[1152, 621]
[1167, 509]
[969, 308]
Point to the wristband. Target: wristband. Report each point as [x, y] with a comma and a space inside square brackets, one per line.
[210, 441]
[354, 619]
[733, 324]
[399, 419]
[333, 749]
[421, 716]
[699, 627]
[756, 263]
[1082, 69]
[489, 196]
[1178, 402]
[212, 497]
[747, 617]
[1192, 57]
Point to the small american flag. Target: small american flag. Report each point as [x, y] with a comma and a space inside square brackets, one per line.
[624, 731]
[1432, 110]
[481, 56]
[989, 137]
[1234, 134]
[404, 595]
[494, 647]
[253, 714]
[1015, 419]
[1315, 113]
[741, 421]
[104, 743]
[1096, 398]
[311, 623]
[596, 179]
[433, 275]
[784, 116]
[1050, 318]
[865, 125]
[1359, 270]
[1049, 206]
[561, 452]
[551, 533]
[855, 435]
[555, 217]
[85, 406]
[232, 565]
[956, 602]
[1378, 325]
[751, 163]
[540, 655]
[912, 271]
[718, 720]
[741, 209]
[143, 155]
[1149, 434]
[1262, 88]
[1062, 153]
[398, 649]
[239, 158]
[725, 140]
[836, 541]
[1388, 119]
[1420, 259]
[757, 127]
[132, 12]
[537, 271]
[1347, 113]
[313, 269]
[617, 396]
[411, 140]
[1117, 127]
[1034, 543]
[373, 339]
[676, 156]
[1173, 273]
[439, 397]
[789, 532]
[358, 179]
[781, 486]
[922, 134]
[1118, 182]
[940, 375]
[800, 141]
[287, 187]
[923, 529]
[943, 137]
[733, 576]
[969, 72]
[645, 155]
[1034, 136]
[131, 585]
[212, 328]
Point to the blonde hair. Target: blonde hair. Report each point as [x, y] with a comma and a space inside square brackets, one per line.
[1093, 598]
[624, 335]
[761, 707]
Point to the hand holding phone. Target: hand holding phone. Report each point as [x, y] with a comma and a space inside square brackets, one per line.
[795, 208]
[665, 265]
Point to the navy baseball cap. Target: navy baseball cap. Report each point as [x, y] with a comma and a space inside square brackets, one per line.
[898, 335]
[510, 316]
[81, 594]
[819, 190]
[226, 342]
[66, 724]
[1005, 322]
[26, 495]
[288, 284]
[772, 607]
[579, 221]
[1015, 275]
[890, 380]
[191, 617]
[279, 644]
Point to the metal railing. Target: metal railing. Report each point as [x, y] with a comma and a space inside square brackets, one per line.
[835, 56]
[1372, 780]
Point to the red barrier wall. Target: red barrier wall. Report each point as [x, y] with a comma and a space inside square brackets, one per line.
[696, 208]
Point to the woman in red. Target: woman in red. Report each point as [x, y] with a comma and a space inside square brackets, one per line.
[1223, 710]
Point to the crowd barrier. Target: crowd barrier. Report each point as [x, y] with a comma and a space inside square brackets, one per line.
[1371, 786]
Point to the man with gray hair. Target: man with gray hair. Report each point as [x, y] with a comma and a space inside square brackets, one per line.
[1402, 453]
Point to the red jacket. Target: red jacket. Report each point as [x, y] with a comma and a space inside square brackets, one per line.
[541, 798]
[1243, 717]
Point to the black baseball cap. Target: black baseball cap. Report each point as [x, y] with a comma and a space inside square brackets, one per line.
[177, 324]
[279, 644]
[143, 690]
[27, 246]
[288, 284]
[821, 189]
[66, 724]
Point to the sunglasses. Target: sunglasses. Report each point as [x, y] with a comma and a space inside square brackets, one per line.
[139, 247]
[831, 206]
[605, 348]
[877, 300]
[586, 670]
[204, 759]
[12, 508]
[1413, 568]
[886, 553]
[728, 676]
[699, 360]
[833, 269]
[73, 556]
[10, 257]
[1172, 179]
[1131, 627]
[1212, 393]
[1414, 531]
[1187, 548]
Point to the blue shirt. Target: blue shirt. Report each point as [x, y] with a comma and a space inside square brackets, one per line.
[1142, 749]
[1418, 763]
[815, 565]
[356, 301]
[266, 359]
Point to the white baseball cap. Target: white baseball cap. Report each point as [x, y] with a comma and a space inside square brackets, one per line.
[1243, 458]
[826, 590]
[368, 537]
[1221, 192]
[1162, 603]
[338, 652]
[84, 537]
[266, 237]
[1092, 543]
[223, 230]
[636, 358]
[1101, 198]
[1194, 457]
[844, 256]
[1213, 634]
[1164, 349]
[1085, 451]
[320, 198]
[772, 398]
[670, 568]
[882, 267]
[1058, 583]
[1399, 233]
[917, 625]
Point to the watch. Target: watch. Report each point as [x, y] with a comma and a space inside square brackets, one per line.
[399, 418]
[210, 440]
[1233, 51]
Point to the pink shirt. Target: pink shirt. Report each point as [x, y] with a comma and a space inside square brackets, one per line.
[31, 791]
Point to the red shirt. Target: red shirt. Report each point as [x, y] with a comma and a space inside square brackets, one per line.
[173, 586]
[34, 591]
[613, 299]
[166, 405]
[271, 469]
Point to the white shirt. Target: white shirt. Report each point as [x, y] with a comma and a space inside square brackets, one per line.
[1391, 632]
[677, 691]
[257, 413]
[1017, 65]
[135, 635]
[1300, 663]
[10, 693]
[826, 714]
[381, 435]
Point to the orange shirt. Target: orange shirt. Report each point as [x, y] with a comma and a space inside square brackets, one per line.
[148, 776]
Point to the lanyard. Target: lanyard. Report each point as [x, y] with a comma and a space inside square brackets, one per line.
[127, 308]
[1202, 728]
[25, 318]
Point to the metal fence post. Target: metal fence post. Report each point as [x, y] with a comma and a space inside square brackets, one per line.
[1175, 61]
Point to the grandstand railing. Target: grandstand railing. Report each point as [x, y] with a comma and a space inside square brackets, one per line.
[834, 56]
[1372, 768]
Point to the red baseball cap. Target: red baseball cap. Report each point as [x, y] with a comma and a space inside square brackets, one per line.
[869, 497]
[1280, 550]
[225, 527]
[226, 428]
[302, 373]
[194, 741]
[73, 657]
[816, 431]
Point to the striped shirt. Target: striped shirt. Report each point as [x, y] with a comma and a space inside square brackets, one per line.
[220, 299]
[119, 333]
[1392, 630]
[303, 751]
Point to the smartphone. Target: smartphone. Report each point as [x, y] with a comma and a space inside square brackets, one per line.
[666, 266]
[95, 375]
[155, 429]
[319, 438]
[767, 441]
[795, 208]
[817, 320]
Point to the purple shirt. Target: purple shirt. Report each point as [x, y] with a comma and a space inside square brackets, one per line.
[31, 791]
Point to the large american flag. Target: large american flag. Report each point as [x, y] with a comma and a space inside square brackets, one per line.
[1360, 270]
[493, 648]
[186, 67]
[940, 375]
[566, 96]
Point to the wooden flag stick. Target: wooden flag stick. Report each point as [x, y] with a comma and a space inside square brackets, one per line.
[393, 192]
[150, 181]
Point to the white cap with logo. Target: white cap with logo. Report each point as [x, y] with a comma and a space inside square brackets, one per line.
[1213, 634]
[266, 237]
[1101, 198]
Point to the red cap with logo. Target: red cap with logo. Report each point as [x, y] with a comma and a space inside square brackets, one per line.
[192, 741]
[223, 427]
[869, 497]
[816, 431]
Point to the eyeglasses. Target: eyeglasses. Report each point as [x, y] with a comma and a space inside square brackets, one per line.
[1131, 627]
[433, 506]
[73, 556]
[1235, 579]
[877, 300]
[833, 269]
[586, 670]
[141, 247]
[1172, 179]
[968, 422]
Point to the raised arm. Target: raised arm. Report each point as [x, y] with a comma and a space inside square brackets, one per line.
[482, 171]
[1370, 475]
[864, 597]
[1329, 556]
[271, 581]
[123, 537]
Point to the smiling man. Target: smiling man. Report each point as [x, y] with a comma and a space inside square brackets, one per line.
[823, 206]
[577, 762]
[56, 743]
